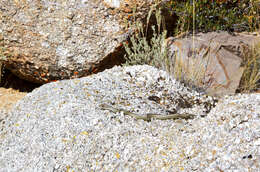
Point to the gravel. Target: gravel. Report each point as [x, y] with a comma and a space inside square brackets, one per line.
[61, 127]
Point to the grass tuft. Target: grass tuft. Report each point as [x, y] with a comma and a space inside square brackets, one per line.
[250, 80]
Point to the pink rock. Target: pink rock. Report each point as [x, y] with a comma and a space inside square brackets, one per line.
[217, 56]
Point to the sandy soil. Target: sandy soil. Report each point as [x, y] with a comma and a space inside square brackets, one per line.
[8, 97]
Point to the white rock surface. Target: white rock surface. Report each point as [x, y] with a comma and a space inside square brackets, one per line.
[60, 127]
[113, 3]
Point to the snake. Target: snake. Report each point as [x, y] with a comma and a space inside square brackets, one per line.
[148, 116]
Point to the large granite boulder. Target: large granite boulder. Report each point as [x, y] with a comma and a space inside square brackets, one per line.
[61, 126]
[48, 40]
[215, 60]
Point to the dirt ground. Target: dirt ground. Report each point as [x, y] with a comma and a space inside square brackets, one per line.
[8, 97]
[13, 89]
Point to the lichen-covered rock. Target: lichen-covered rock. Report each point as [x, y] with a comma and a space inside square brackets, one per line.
[51, 40]
[61, 126]
[216, 58]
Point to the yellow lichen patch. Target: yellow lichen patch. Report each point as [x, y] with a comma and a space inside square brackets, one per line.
[84, 133]
[88, 94]
[74, 139]
[65, 140]
[127, 104]
[68, 169]
[232, 103]
[220, 145]
[117, 155]
[170, 149]
[76, 81]
[163, 153]
[214, 152]
[181, 168]
[182, 155]
[219, 122]
[147, 158]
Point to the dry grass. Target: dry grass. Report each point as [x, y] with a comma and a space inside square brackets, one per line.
[250, 80]
[190, 72]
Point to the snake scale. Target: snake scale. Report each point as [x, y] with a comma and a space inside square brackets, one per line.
[148, 116]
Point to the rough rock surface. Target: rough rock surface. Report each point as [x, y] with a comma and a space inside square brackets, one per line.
[217, 57]
[60, 127]
[52, 40]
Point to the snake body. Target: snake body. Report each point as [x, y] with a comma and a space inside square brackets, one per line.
[149, 116]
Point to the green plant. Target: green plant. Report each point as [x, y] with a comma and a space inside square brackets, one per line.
[141, 50]
[212, 15]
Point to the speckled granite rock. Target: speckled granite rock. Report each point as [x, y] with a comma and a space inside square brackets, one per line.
[52, 40]
[61, 127]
